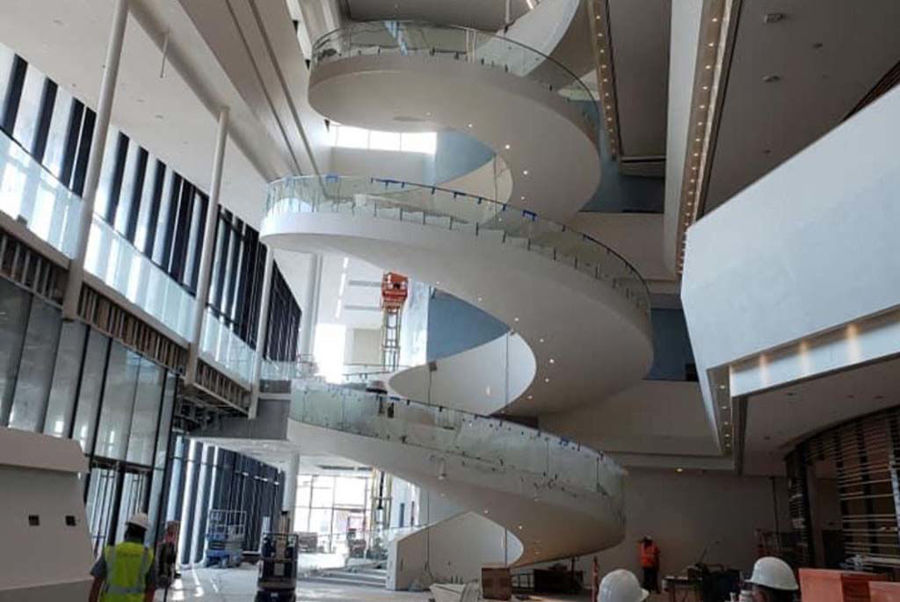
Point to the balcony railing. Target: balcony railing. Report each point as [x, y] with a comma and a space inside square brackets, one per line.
[552, 463]
[409, 38]
[32, 195]
[441, 208]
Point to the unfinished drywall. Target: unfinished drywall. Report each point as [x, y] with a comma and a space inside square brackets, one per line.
[687, 513]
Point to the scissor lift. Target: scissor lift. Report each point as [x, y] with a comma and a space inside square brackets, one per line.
[225, 533]
[394, 290]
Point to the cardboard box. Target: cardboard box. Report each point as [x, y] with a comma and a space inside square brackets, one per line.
[496, 583]
[882, 591]
[836, 586]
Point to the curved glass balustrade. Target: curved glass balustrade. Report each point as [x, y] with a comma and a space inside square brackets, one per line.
[455, 43]
[441, 208]
[551, 462]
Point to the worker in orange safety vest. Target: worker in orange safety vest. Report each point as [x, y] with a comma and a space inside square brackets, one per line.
[650, 564]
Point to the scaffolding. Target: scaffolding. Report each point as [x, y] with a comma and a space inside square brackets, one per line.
[394, 290]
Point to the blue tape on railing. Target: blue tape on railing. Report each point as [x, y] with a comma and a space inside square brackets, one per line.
[529, 214]
[479, 201]
[504, 207]
[455, 194]
[432, 190]
[332, 177]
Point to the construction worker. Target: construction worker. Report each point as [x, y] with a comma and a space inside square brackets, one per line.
[621, 586]
[650, 563]
[772, 581]
[126, 572]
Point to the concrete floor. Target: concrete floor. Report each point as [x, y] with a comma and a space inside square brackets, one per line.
[239, 585]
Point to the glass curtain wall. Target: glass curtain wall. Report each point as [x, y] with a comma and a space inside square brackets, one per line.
[66, 380]
[336, 509]
[206, 477]
[148, 205]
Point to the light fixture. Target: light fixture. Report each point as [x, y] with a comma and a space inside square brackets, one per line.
[520, 527]
[531, 397]
[540, 340]
[524, 172]
[522, 197]
[679, 470]
[552, 361]
[485, 511]
[516, 319]
[506, 147]
[546, 380]
[479, 299]
[470, 125]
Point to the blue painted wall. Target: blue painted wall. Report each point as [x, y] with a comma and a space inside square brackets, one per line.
[624, 194]
[673, 357]
[458, 154]
[454, 326]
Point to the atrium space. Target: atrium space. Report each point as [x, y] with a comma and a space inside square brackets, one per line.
[449, 300]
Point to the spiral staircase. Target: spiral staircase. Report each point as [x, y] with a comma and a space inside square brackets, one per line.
[578, 311]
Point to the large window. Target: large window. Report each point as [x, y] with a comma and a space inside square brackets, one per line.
[336, 508]
[407, 142]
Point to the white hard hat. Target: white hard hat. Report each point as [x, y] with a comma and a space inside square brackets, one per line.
[774, 573]
[139, 519]
[621, 586]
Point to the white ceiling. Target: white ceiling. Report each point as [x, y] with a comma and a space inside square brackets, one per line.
[827, 53]
[67, 41]
[777, 418]
[479, 14]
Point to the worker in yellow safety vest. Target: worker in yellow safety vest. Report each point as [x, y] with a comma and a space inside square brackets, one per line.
[126, 572]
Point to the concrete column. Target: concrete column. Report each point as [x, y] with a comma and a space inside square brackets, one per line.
[95, 159]
[311, 307]
[290, 486]
[207, 254]
[261, 330]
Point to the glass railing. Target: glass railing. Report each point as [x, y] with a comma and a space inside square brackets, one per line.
[115, 261]
[32, 195]
[441, 208]
[303, 367]
[455, 43]
[551, 462]
[219, 344]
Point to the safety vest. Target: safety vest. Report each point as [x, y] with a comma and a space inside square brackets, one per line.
[649, 556]
[127, 565]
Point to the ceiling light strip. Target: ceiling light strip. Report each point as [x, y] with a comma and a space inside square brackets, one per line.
[598, 21]
[715, 42]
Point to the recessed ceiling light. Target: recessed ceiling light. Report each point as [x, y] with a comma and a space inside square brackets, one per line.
[506, 147]
[522, 197]
[516, 319]
[520, 527]
[540, 340]
[524, 172]
[679, 470]
[531, 397]
[470, 125]
[479, 299]
[546, 380]
[485, 511]
[552, 361]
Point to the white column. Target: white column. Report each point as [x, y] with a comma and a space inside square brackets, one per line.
[290, 486]
[95, 159]
[261, 329]
[207, 254]
[311, 306]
